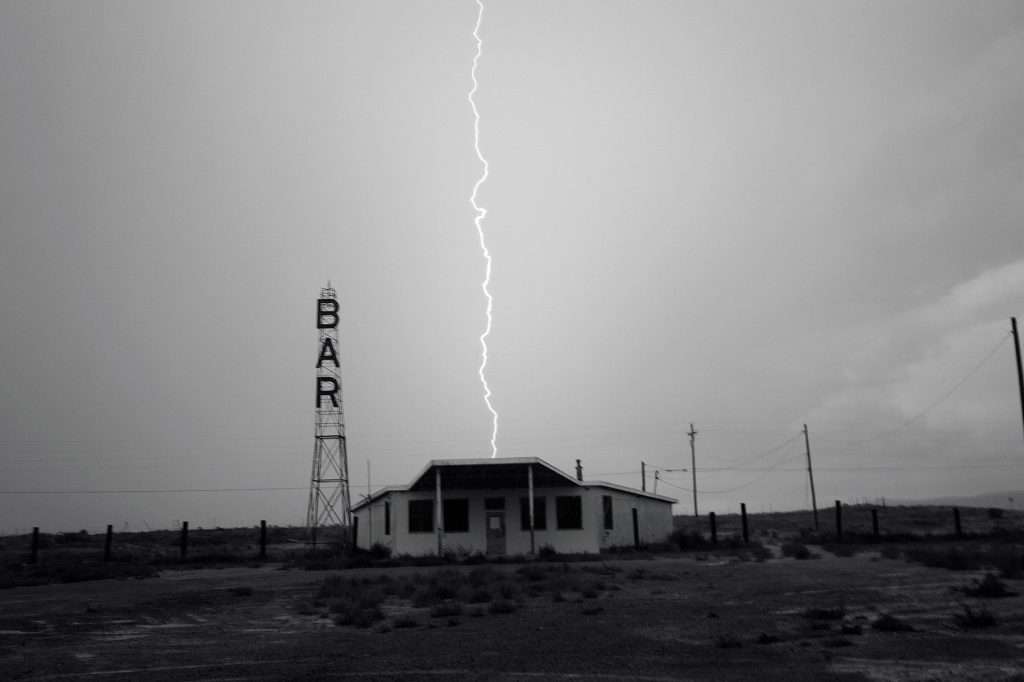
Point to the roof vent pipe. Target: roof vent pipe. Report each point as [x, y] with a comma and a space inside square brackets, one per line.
[579, 471]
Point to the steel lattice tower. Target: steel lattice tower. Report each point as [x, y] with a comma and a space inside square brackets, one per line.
[328, 487]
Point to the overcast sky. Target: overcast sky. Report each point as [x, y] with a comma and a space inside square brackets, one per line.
[745, 215]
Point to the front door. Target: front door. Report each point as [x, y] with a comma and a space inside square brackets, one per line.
[495, 532]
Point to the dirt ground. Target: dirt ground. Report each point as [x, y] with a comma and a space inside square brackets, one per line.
[683, 618]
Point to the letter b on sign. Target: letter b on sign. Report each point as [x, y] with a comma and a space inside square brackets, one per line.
[326, 313]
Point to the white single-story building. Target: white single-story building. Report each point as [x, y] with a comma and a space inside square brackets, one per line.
[515, 505]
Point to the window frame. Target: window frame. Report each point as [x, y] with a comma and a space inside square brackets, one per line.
[540, 513]
[608, 512]
[560, 511]
[429, 504]
[446, 507]
[387, 517]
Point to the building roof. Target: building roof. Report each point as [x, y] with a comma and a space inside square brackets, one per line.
[496, 474]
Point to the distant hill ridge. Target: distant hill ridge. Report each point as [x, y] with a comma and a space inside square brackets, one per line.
[1004, 500]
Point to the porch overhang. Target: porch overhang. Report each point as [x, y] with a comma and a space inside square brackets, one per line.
[491, 474]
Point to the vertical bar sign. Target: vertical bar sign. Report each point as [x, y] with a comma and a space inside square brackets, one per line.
[327, 318]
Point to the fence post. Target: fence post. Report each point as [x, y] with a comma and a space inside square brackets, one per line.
[35, 544]
[108, 543]
[184, 539]
[874, 523]
[839, 521]
[746, 530]
[263, 539]
[956, 522]
[714, 528]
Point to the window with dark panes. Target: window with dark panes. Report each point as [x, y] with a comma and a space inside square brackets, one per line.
[609, 517]
[569, 512]
[421, 516]
[494, 503]
[456, 516]
[387, 518]
[540, 517]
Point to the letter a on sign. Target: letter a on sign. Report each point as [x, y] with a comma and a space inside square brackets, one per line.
[327, 352]
[326, 313]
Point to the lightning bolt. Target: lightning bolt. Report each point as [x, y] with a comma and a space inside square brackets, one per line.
[481, 213]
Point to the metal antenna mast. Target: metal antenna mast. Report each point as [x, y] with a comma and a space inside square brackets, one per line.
[329, 502]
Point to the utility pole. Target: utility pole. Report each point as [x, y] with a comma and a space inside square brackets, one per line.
[1020, 373]
[369, 507]
[810, 475]
[643, 476]
[656, 474]
[693, 464]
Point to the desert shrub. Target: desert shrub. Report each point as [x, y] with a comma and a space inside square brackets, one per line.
[989, 587]
[379, 551]
[1009, 561]
[760, 552]
[890, 623]
[796, 550]
[844, 550]
[815, 613]
[334, 586]
[444, 585]
[405, 621]
[446, 609]
[891, 552]
[851, 629]
[603, 569]
[509, 591]
[79, 538]
[728, 641]
[479, 596]
[532, 573]
[59, 567]
[974, 618]
[481, 575]
[557, 597]
[994, 513]
[424, 596]
[952, 558]
[502, 606]
[688, 540]
[362, 611]
[835, 642]
[660, 547]
[547, 553]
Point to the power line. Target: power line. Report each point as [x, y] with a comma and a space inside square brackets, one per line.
[937, 402]
[134, 491]
[774, 449]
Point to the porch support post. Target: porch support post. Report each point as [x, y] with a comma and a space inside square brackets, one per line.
[438, 509]
[529, 478]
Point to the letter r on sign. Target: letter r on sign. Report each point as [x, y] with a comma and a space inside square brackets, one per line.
[326, 386]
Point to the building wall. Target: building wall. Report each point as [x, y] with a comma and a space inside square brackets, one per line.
[654, 518]
[655, 522]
